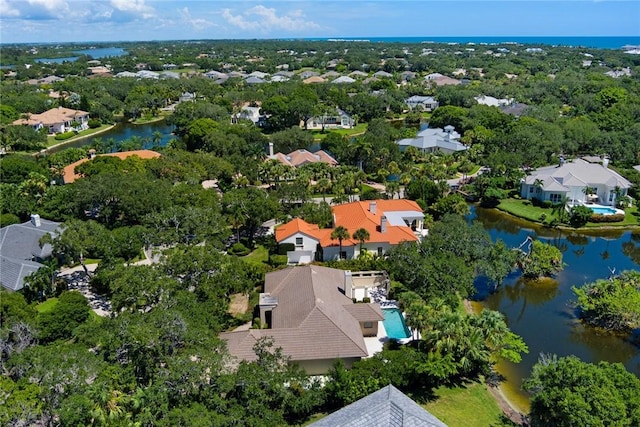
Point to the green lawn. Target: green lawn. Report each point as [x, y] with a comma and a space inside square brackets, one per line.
[259, 256]
[358, 129]
[526, 211]
[47, 306]
[51, 140]
[469, 406]
[533, 213]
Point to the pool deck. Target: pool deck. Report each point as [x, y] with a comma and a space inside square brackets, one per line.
[375, 344]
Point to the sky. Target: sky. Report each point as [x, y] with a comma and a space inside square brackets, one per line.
[37, 21]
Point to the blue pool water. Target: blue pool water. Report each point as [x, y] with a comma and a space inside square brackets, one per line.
[394, 324]
[602, 211]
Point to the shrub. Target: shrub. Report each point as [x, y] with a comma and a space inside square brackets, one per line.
[95, 123]
[366, 300]
[547, 204]
[526, 202]
[579, 216]
[283, 248]
[277, 260]
[8, 219]
[65, 135]
[239, 249]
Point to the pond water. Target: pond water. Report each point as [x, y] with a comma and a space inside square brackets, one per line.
[542, 313]
[125, 131]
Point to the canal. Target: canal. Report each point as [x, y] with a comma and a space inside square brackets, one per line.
[543, 312]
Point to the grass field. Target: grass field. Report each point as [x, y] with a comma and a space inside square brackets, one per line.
[360, 128]
[468, 406]
[47, 306]
[259, 256]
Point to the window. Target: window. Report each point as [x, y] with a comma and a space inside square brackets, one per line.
[379, 250]
[368, 325]
[555, 197]
[611, 195]
[531, 189]
[298, 241]
[343, 255]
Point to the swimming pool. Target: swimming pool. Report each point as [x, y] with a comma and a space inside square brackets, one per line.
[603, 210]
[394, 324]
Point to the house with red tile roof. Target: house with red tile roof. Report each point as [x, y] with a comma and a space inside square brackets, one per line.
[309, 315]
[69, 174]
[301, 157]
[389, 222]
[57, 120]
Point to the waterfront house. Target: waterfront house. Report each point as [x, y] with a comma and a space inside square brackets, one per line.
[434, 140]
[388, 222]
[338, 120]
[427, 103]
[57, 120]
[579, 180]
[308, 313]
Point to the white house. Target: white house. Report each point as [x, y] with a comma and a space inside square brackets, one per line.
[388, 223]
[338, 120]
[570, 179]
[492, 101]
[57, 120]
[433, 140]
[428, 103]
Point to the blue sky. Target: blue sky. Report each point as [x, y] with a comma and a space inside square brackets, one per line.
[24, 21]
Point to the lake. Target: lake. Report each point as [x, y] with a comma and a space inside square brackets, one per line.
[124, 131]
[97, 53]
[543, 313]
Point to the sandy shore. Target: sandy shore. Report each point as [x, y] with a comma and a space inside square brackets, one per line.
[508, 408]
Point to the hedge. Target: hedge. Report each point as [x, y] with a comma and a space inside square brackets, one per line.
[606, 218]
[65, 135]
[239, 249]
[94, 123]
[283, 248]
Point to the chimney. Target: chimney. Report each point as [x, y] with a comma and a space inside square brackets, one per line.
[605, 162]
[348, 284]
[271, 149]
[373, 207]
[35, 220]
[383, 224]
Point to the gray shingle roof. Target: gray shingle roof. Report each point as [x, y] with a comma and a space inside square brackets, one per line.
[385, 407]
[20, 249]
[575, 172]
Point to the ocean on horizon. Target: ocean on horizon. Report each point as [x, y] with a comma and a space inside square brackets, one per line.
[608, 42]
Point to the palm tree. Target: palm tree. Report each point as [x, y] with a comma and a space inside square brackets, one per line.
[538, 183]
[362, 235]
[340, 233]
[323, 185]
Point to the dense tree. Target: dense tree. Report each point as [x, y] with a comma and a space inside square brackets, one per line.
[612, 304]
[541, 260]
[568, 392]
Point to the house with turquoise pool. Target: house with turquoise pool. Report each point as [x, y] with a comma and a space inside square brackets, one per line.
[587, 181]
[318, 315]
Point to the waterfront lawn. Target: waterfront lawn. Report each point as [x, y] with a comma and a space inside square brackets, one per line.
[51, 140]
[630, 218]
[468, 405]
[527, 211]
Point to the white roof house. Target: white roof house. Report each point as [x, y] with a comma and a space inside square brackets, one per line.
[428, 103]
[343, 79]
[569, 179]
[433, 140]
[493, 102]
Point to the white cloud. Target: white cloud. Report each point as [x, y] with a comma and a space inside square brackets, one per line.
[266, 19]
[196, 23]
[7, 10]
[135, 7]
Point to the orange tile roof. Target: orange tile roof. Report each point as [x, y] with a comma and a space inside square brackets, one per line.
[69, 175]
[353, 216]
